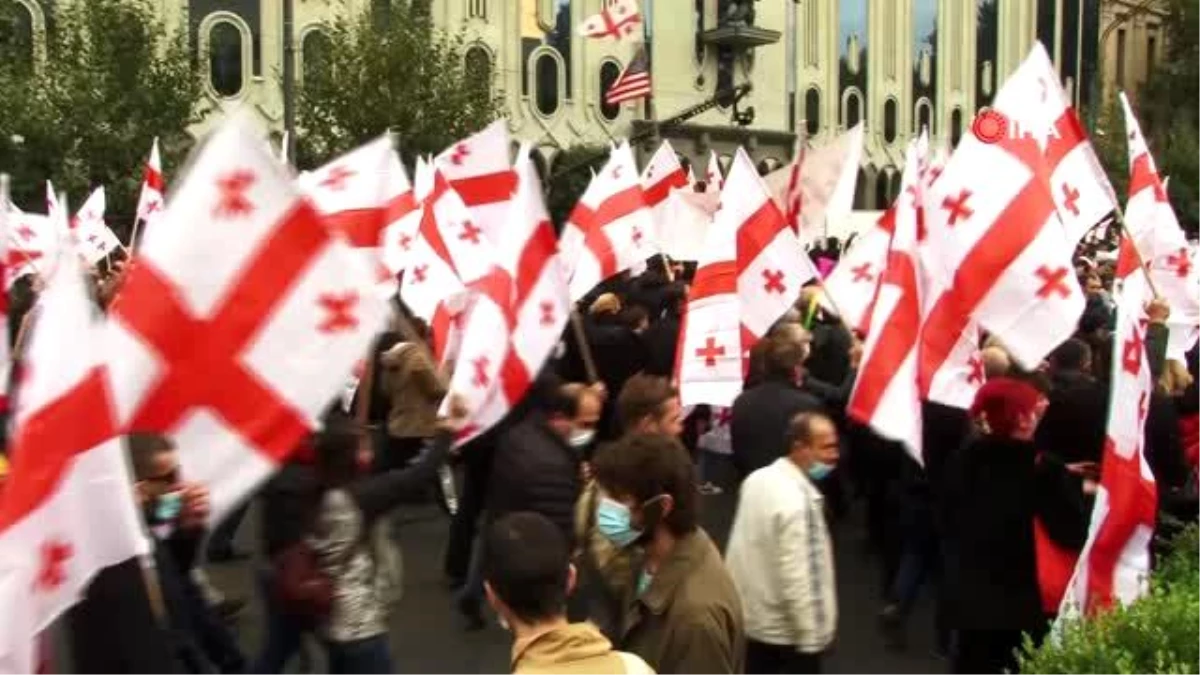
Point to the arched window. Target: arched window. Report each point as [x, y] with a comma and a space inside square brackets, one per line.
[546, 94]
[608, 74]
[889, 120]
[478, 66]
[16, 37]
[225, 63]
[314, 50]
[924, 117]
[812, 111]
[852, 111]
[956, 126]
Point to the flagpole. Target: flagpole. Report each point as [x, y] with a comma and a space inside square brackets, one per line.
[585, 350]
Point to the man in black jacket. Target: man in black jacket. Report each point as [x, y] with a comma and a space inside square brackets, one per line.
[537, 468]
[120, 626]
[761, 414]
[1073, 427]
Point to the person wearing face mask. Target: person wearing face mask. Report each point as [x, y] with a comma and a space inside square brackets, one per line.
[682, 613]
[781, 557]
[528, 577]
[761, 414]
[537, 467]
[120, 626]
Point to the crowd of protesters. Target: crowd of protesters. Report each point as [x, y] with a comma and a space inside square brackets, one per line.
[577, 522]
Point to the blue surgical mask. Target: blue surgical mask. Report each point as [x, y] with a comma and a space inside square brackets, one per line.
[613, 521]
[819, 470]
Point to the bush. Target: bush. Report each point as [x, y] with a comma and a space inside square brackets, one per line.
[1159, 633]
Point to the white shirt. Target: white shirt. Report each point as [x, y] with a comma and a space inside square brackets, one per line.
[781, 559]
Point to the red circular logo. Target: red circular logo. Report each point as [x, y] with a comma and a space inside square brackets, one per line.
[990, 126]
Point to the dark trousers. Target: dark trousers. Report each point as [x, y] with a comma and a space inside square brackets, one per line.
[284, 634]
[369, 655]
[986, 651]
[763, 658]
[220, 542]
[466, 521]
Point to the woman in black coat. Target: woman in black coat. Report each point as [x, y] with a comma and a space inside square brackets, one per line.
[991, 490]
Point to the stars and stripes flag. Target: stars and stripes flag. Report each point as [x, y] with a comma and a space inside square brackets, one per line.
[618, 19]
[633, 82]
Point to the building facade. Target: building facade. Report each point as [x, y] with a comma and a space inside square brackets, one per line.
[816, 67]
[1132, 41]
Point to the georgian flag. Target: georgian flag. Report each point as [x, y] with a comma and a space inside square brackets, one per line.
[151, 201]
[239, 322]
[94, 237]
[618, 19]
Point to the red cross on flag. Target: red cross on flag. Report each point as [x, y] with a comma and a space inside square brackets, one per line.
[1115, 563]
[618, 19]
[31, 241]
[238, 324]
[478, 170]
[528, 255]
[151, 201]
[93, 236]
[610, 229]
[886, 395]
[404, 221]
[433, 287]
[771, 266]
[486, 319]
[852, 283]
[1161, 242]
[53, 208]
[713, 180]
[708, 366]
[662, 178]
[996, 249]
[67, 510]
[360, 194]
[662, 175]
[819, 182]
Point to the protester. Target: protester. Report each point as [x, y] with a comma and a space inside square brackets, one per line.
[528, 577]
[416, 390]
[538, 468]
[155, 619]
[346, 540]
[761, 414]
[780, 554]
[991, 491]
[684, 615]
[649, 405]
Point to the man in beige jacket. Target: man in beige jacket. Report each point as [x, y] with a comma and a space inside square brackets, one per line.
[527, 578]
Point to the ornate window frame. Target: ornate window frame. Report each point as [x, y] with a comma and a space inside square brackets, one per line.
[204, 34]
[531, 74]
[600, 92]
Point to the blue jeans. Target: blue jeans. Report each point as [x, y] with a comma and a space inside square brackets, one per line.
[284, 633]
[369, 655]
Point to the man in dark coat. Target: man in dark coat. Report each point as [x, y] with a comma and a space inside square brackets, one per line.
[120, 626]
[662, 338]
[761, 414]
[1073, 428]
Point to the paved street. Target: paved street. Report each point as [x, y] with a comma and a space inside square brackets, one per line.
[427, 635]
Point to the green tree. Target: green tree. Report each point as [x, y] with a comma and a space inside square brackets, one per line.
[114, 78]
[389, 68]
[1167, 108]
[569, 177]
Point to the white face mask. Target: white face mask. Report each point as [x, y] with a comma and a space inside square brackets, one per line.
[581, 438]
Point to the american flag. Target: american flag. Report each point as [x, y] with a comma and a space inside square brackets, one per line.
[633, 82]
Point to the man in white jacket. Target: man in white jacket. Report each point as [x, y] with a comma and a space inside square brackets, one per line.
[780, 555]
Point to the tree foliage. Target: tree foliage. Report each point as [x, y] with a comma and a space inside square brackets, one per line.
[114, 78]
[1167, 108]
[389, 68]
[569, 177]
